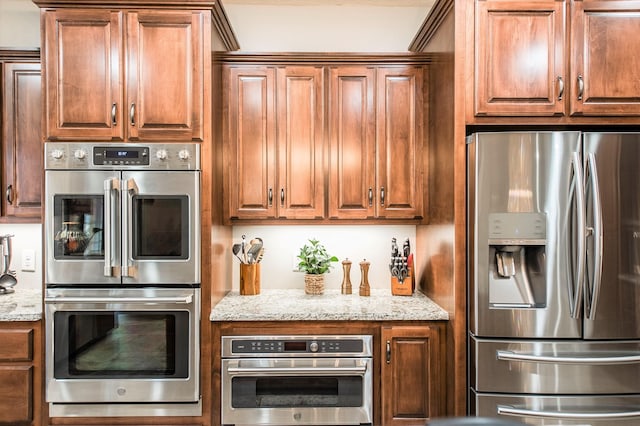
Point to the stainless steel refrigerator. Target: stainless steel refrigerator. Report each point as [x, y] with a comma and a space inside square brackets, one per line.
[554, 277]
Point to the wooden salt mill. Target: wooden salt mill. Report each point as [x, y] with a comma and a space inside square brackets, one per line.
[346, 279]
[364, 279]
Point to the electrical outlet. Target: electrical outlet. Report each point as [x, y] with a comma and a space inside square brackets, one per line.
[28, 260]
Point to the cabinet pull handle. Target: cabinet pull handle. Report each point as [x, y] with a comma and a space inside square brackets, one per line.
[10, 194]
[270, 196]
[560, 88]
[114, 111]
[132, 114]
[282, 197]
[382, 194]
[370, 196]
[388, 352]
[580, 87]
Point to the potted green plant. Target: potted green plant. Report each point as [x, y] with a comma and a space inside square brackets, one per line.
[315, 262]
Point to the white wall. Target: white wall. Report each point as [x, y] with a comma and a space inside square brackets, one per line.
[356, 242]
[26, 236]
[19, 24]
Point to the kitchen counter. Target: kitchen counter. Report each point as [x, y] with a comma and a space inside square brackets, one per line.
[24, 304]
[295, 305]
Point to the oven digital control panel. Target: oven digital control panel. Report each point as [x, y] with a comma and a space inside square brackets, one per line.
[296, 345]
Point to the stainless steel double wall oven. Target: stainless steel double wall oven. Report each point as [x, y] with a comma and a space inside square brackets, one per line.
[122, 276]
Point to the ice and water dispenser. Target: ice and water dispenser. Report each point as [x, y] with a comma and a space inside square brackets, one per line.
[517, 267]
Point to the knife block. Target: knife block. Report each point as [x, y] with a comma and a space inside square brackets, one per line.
[404, 288]
[249, 279]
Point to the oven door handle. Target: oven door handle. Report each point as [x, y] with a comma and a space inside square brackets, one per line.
[129, 190]
[120, 300]
[295, 371]
[109, 226]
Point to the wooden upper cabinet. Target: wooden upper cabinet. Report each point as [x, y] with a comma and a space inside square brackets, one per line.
[96, 59]
[411, 382]
[605, 60]
[399, 142]
[22, 157]
[275, 149]
[520, 58]
[251, 129]
[352, 120]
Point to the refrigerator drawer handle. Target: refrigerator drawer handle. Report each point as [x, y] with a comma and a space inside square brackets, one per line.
[506, 410]
[606, 360]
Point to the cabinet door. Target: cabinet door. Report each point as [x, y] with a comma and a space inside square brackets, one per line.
[520, 58]
[399, 142]
[251, 132]
[352, 142]
[16, 394]
[21, 143]
[411, 383]
[165, 76]
[606, 66]
[300, 142]
[83, 69]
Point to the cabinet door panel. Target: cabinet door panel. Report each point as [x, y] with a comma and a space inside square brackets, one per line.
[21, 144]
[83, 69]
[300, 142]
[352, 139]
[16, 394]
[606, 66]
[520, 64]
[399, 142]
[165, 76]
[251, 132]
[411, 382]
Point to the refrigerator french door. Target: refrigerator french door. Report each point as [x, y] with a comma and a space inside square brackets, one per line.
[122, 214]
[553, 287]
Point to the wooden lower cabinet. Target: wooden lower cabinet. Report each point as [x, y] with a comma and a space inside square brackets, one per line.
[409, 382]
[411, 385]
[21, 373]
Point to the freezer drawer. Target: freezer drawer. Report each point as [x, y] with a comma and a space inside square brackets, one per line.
[618, 410]
[555, 367]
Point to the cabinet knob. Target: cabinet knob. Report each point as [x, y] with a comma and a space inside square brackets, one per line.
[10, 194]
[114, 114]
[388, 352]
[132, 114]
[580, 87]
[270, 196]
[370, 196]
[382, 195]
[560, 88]
[282, 197]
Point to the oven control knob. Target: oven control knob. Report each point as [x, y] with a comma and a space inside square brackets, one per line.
[313, 346]
[161, 154]
[79, 154]
[57, 154]
[183, 154]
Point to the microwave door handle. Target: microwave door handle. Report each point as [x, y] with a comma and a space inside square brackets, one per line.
[109, 225]
[577, 192]
[121, 300]
[596, 234]
[129, 189]
[507, 410]
[268, 371]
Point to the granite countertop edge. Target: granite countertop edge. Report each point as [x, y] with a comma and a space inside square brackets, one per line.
[23, 304]
[295, 305]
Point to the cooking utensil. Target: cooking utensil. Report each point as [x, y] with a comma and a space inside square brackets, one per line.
[7, 281]
[244, 249]
[254, 249]
[236, 250]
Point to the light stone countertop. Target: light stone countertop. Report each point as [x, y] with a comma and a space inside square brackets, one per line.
[295, 305]
[25, 304]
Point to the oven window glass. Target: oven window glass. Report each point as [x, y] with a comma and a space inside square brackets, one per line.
[78, 225]
[161, 227]
[274, 392]
[121, 344]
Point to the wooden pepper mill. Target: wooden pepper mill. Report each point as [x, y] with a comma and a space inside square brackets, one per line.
[364, 279]
[346, 278]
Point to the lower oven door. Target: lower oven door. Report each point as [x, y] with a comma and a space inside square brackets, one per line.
[301, 391]
[122, 345]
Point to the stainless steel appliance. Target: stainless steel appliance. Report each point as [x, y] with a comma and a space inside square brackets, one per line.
[122, 351]
[123, 213]
[554, 277]
[122, 278]
[297, 380]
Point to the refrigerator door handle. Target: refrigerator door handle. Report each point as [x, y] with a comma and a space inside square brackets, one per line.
[577, 191]
[555, 359]
[507, 410]
[596, 234]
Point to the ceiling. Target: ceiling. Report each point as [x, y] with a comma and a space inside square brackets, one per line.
[326, 25]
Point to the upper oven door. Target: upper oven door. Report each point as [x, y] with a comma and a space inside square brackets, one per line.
[77, 230]
[161, 227]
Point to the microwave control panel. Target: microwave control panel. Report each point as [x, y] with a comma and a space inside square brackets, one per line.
[296, 345]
